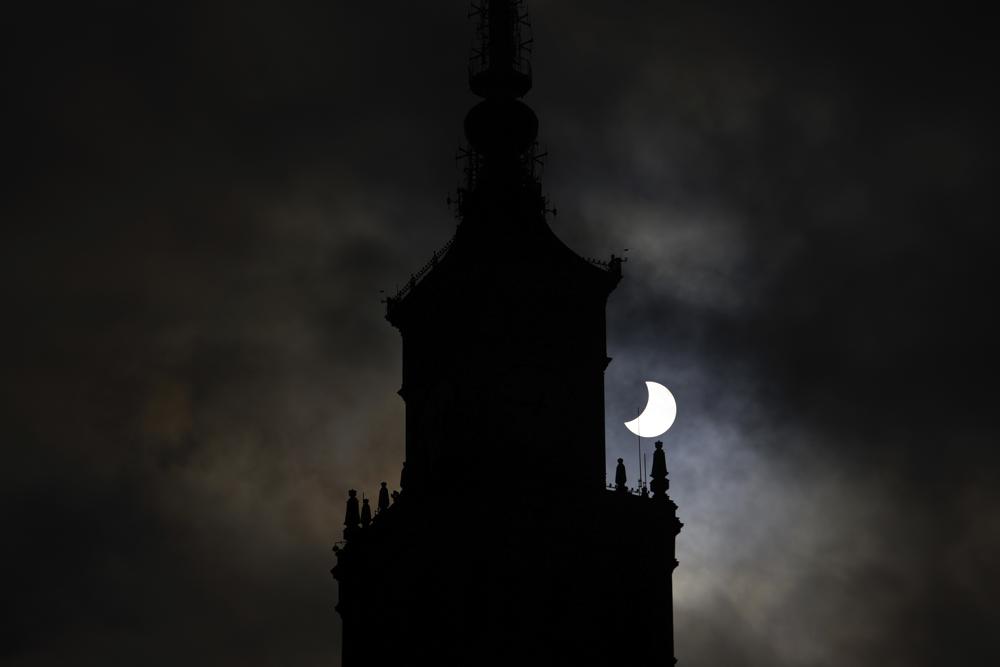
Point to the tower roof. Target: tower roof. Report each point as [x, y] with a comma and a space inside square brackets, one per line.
[503, 232]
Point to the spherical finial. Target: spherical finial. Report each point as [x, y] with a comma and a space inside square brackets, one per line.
[498, 125]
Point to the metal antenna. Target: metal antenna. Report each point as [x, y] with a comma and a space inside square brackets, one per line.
[638, 443]
[644, 469]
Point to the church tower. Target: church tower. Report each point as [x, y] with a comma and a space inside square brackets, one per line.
[503, 544]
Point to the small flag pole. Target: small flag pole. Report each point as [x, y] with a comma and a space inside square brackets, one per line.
[638, 444]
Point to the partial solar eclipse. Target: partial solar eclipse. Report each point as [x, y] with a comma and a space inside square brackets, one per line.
[659, 415]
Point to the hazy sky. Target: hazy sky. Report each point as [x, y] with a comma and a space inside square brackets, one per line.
[203, 201]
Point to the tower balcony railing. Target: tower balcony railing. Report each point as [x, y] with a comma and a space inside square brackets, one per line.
[415, 277]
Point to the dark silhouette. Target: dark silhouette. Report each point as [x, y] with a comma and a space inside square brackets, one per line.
[504, 354]
[366, 513]
[352, 518]
[383, 498]
[620, 477]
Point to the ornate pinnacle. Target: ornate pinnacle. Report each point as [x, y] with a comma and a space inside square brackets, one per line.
[499, 66]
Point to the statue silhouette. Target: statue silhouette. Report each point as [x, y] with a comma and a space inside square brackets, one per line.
[366, 513]
[620, 477]
[658, 477]
[383, 498]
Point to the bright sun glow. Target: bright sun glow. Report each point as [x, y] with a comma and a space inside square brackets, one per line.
[659, 415]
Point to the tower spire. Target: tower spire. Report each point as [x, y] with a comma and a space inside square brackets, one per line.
[499, 66]
[501, 129]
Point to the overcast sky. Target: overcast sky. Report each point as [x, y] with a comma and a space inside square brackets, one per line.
[203, 200]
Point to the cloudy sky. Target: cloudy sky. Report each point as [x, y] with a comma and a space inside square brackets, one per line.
[203, 199]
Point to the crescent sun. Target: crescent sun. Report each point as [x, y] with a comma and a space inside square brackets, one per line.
[659, 415]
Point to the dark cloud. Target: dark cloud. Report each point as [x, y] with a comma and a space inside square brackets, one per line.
[205, 200]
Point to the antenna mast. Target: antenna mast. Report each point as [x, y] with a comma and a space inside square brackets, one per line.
[644, 469]
[638, 445]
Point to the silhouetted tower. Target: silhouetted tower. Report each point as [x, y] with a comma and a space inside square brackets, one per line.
[505, 547]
